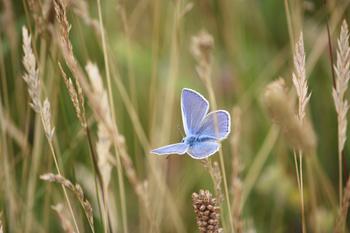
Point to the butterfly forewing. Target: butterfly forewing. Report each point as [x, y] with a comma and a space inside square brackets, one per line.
[178, 148]
[216, 125]
[194, 108]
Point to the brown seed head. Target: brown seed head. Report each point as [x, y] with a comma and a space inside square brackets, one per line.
[207, 212]
[299, 135]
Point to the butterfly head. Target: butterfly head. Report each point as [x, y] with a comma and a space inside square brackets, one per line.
[189, 140]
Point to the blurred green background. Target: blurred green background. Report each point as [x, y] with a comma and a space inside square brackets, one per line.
[148, 43]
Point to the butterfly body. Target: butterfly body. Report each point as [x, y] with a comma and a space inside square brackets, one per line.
[203, 130]
[194, 139]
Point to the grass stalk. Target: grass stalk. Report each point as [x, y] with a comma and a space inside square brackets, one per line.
[59, 172]
[289, 24]
[302, 191]
[258, 164]
[296, 168]
[9, 192]
[155, 57]
[110, 97]
[340, 175]
[98, 174]
[221, 156]
[299, 174]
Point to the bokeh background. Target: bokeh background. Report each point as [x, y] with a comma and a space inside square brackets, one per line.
[149, 51]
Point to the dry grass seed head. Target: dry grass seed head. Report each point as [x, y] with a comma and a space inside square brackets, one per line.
[215, 173]
[201, 49]
[299, 77]
[94, 100]
[75, 189]
[342, 72]
[201, 46]
[31, 76]
[76, 97]
[62, 38]
[217, 182]
[46, 115]
[104, 142]
[280, 108]
[36, 12]
[64, 27]
[81, 101]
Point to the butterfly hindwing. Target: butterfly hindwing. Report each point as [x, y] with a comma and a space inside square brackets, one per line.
[194, 108]
[178, 148]
[202, 150]
[216, 124]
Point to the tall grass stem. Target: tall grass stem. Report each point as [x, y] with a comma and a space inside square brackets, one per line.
[110, 97]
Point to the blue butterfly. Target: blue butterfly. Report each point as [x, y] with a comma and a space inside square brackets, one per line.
[203, 130]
